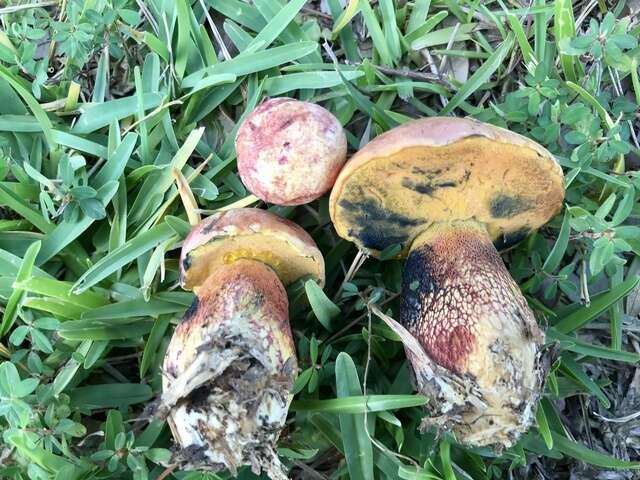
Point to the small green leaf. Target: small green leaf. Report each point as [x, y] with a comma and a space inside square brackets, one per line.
[324, 309]
[159, 455]
[302, 380]
[111, 395]
[9, 378]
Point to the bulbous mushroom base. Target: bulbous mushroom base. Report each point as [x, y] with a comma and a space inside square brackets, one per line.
[475, 346]
[229, 370]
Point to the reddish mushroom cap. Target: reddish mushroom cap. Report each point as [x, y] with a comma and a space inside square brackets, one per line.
[290, 152]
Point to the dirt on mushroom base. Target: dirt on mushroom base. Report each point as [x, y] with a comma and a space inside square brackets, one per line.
[234, 417]
[457, 402]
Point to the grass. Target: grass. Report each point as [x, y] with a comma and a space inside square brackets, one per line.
[105, 106]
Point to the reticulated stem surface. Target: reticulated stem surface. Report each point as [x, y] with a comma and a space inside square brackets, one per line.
[463, 307]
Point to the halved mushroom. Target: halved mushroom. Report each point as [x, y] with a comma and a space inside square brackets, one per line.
[231, 363]
[445, 189]
[290, 152]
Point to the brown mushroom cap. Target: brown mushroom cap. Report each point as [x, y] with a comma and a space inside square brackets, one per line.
[249, 233]
[442, 169]
[290, 152]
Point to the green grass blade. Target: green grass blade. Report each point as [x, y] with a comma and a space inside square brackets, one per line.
[564, 30]
[599, 304]
[67, 231]
[571, 368]
[582, 453]
[312, 80]
[375, 31]
[153, 342]
[356, 404]
[240, 12]
[573, 344]
[34, 106]
[424, 28]
[350, 11]
[276, 25]
[181, 53]
[423, 37]
[552, 262]
[117, 329]
[540, 31]
[390, 27]
[36, 454]
[16, 203]
[24, 272]
[604, 115]
[254, 62]
[543, 427]
[98, 115]
[120, 257]
[60, 290]
[617, 310]
[134, 308]
[79, 143]
[69, 371]
[480, 76]
[343, 28]
[116, 163]
[418, 15]
[358, 450]
[521, 37]
[112, 395]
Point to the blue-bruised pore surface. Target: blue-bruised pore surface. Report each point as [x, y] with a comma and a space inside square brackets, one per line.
[506, 206]
[376, 227]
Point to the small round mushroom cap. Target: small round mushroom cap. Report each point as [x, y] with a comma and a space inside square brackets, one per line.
[442, 169]
[249, 233]
[290, 152]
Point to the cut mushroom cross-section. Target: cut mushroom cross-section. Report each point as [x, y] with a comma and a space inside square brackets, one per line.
[231, 362]
[447, 190]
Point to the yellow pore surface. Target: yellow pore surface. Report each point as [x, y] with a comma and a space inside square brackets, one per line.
[280, 253]
[393, 198]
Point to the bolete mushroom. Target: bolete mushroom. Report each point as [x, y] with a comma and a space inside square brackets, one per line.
[446, 189]
[290, 152]
[231, 362]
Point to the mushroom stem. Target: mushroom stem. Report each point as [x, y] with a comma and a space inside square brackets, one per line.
[460, 303]
[229, 369]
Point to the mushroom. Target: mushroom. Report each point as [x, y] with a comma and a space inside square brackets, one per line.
[290, 152]
[231, 363]
[446, 190]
